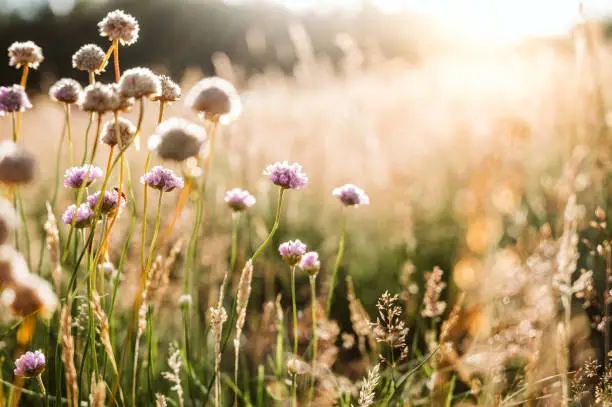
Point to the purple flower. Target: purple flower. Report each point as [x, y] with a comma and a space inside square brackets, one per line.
[285, 175]
[13, 99]
[30, 364]
[83, 215]
[109, 202]
[292, 251]
[162, 179]
[239, 199]
[351, 195]
[310, 263]
[75, 176]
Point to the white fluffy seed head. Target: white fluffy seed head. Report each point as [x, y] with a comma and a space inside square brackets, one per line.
[139, 82]
[170, 90]
[89, 58]
[120, 26]
[126, 131]
[177, 139]
[25, 54]
[66, 91]
[215, 99]
[97, 98]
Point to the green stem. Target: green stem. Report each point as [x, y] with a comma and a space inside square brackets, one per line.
[332, 286]
[91, 114]
[43, 390]
[294, 306]
[313, 298]
[279, 205]
[155, 233]
[294, 390]
[69, 132]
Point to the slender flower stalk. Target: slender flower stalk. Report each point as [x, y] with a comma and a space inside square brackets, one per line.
[265, 243]
[311, 265]
[334, 277]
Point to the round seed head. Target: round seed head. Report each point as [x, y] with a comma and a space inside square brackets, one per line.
[89, 58]
[30, 364]
[66, 91]
[118, 102]
[310, 263]
[8, 220]
[13, 99]
[297, 367]
[177, 139]
[138, 83]
[170, 90]
[13, 266]
[97, 98]
[287, 176]
[351, 195]
[17, 166]
[25, 54]
[239, 199]
[120, 26]
[126, 132]
[30, 294]
[215, 99]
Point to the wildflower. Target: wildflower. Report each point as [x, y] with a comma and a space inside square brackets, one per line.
[75, 177]
[109, 202]
[389, 328]
[185, 300]
[239, 199]
[177, 139]
[89, 58]
[66, 91]
[292, 251]
[170, 90]
[310, 263]
[25, 53]
[368, 388]
[8, 220]
[296, 367]
[17, 166]
[13, 266]
[97, 98]
[287, 176]
[119, 26]
[83, 215]
[29, 295]
[433, 307]
[174, 375]
[13, 99]
[351, 195]
[162, 179]
[214, 99]
[138, 83]
[126, 132]
[30, 364]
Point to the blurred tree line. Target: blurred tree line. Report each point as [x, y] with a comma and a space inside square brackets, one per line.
[179, 34]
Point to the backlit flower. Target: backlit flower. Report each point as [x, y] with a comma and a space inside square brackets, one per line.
[82, 217]
[89, 58]
[162, 179]
[75, 177]
[66, 91]
[310, 263]
[13, 99]
[170, 90]
[351, 195]
[30, 364]
[138, 83]
[17, 166]
[239, 199]
[8, 220]
[292, 251]
[215, 99]
[285, 175]
[97, 98]
[120, 26]
[177, 139]
[13, 266]
[25, 53]
[109, 202]
[126, 132]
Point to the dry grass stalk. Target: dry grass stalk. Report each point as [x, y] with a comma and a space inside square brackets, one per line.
[160, 400]
[103, 329]
[164, 277]
[360, 320]
[52, 241]
[68, 356]
[97, 397]
[174, 376]
[218, 316]
[368, 388]
[242, 302]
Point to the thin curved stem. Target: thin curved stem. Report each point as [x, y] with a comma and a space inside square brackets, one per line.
[144, 214]
[294, 307]
[116, 60]
[69, 133]
[313, 299]
[155, 232]
[274, 227]
[332, 286]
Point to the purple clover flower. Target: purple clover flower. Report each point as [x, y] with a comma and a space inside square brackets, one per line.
[310, 263]
[162, 179]
[292, 251]
[83, 215]
[351, 195]
[13, 99]
[30, 364]
[239, 199]
[109, 202]
[75, 176]
[287, 176]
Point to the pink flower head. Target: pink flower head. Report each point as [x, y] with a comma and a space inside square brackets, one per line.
[287, 176]
[351, 195]
[13, 99]
[310, 263]
[30, 364]
[75, 176]
[109, 202]
[292, 251]
[239, 199]
[162, 179]
[83, 215]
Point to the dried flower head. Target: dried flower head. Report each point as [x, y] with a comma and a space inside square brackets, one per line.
[13, 267]
[17, 166]
[292, 251]
[83, 215]
[119, 26]
[368, 388]
[174, 376]
[177, 139]
[139, 82]
[285, 175]
[89, 58]
[389, 328]
[170, 90]
[25, 54]
[126, 132]
[109, 202]
[66, 91]
[351, 195]
[30, 364]
[239, 199]
[162, 179]
[433, 307]
[75, 177]
[185, 300]
[97, 98]
[297, 367]
[215, 99]
[310, 263]
[13, 99]
[8, 220]
[30, 295]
